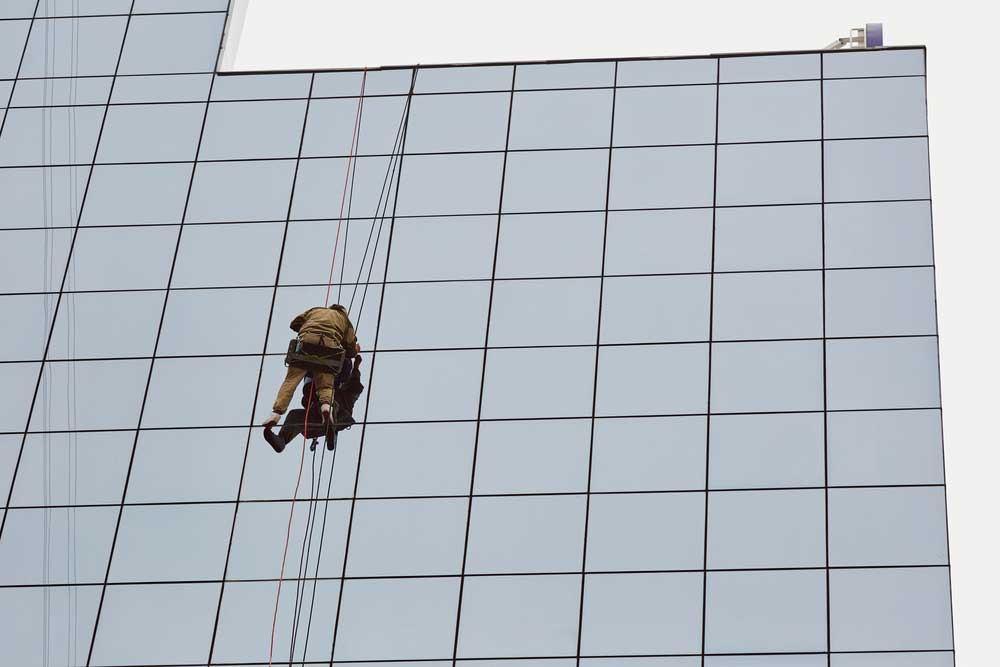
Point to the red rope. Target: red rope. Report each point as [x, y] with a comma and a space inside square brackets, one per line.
[291, 513]
[343, 196]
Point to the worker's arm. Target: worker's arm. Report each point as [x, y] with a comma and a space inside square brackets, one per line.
[350, 339]
[299, 320]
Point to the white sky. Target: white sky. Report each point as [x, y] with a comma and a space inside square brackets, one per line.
[963, 95]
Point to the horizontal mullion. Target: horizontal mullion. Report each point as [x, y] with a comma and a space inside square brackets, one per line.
[472, 420]
[454, 496]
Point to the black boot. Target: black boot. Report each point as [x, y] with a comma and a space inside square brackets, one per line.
[277, 444]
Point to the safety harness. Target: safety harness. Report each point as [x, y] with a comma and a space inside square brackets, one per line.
[312, 357]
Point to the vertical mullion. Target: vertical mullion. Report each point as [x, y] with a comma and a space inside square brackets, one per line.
[156, 345]
[482, 377]
[826, 457]
[69, 252]
[597, 357]
[374, 355]
[711, 334]
[260, 370]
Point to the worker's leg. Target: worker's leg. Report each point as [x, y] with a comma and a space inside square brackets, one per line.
[287, 389]
[323, 386]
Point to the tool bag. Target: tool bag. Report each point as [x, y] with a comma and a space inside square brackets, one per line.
[314, 357]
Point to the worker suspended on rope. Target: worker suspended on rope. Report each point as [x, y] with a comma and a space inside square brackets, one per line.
[325, 341]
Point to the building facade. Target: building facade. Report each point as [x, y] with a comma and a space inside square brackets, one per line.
[649, 346]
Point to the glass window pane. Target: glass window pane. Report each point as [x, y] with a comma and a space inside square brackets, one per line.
[558, 450]
[230, 191]
[18, 9]
[769, 68]
[642, 614]
[668, 115]
[751, 612]
[622, 531]
[293, 301]
[876, 169]
[761, 238]
[37, 541]
[464, 79]
[309, 247]
[247, 613]
[565, 75]
[106, 394]
[70, 607]
[151, 43]
[82, 325]
[768, 451]
[530, 534]
[417, 459]
[136, 194]
[880, 302]
[433, 315]
[224, 389]
[426, 385]
[228, 255]
[658, 242]
[424, 248]
[883, 373]
[778, 376]
[898, 526]
[661, 177]
[770, 174]
[162, 88]
[755, 529]
[256, 553]
[519, 616]
[55, 135]
[385, 619]
[26, 195]
[666, 72]
[449, 184]
[544, 312]
[655, 309]
[790, 660]
[33, 315]
[319, 188]
[187, 465]
[51, 92]
[652, 380]
[172, 543]
[125, 637]
[561, 119]
[769, 111]
[555, 181]
[235, 130]
[418, 536]
[649, 454]
[261, 86]
[901, 659]
[73, 47]
[890, 107]
[70, 8]
[894, 447]
[72, 468]
[379, 82]
[535, 245]
[330, 126]
[457, 123]
[538, 382]
[754, 306]
[123, 258]
[890, 609]
[12, 37]
[191, 321]
[879, 234]
[897, 62]
[17, 386]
